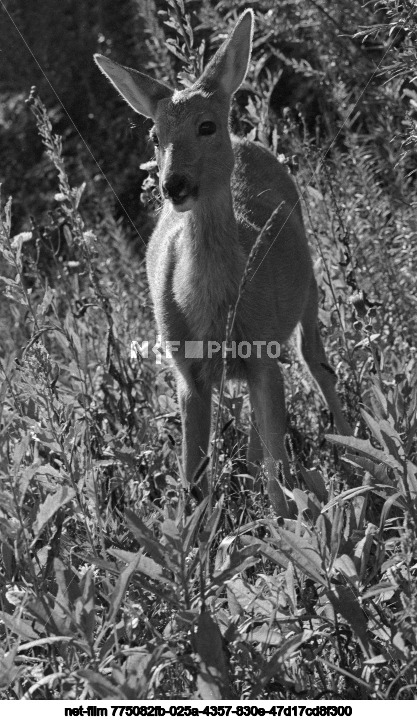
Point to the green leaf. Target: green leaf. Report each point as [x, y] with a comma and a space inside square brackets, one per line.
[120, 589]
[20, 451]
[171, 533]
[67, 581]
[236, 562]
[244, 598]
[384, 590]
[337, 531]
[23, 480]
[144, 564]
[362, 553]
[306, 503]
[18, 626]
[51, 619]
[100, 685]
[207, 534]
[346, 604]
[9, 670]
[348, 495]
[46, 640]
[50, 506]
[397, 499]
[275, 666]
[277, 556]
[377, 471]
[191, 525]
[374, 426]
[314, 482]
[346, 566]
[144, 535]
[304, 554]
[213, 678]
[296, 550]
[366, 449]
[264, 635]
[88, 604]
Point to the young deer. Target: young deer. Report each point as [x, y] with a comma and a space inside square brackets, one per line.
[219, 192]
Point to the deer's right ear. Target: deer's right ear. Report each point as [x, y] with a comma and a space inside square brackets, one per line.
[139, 90]
[228, 68]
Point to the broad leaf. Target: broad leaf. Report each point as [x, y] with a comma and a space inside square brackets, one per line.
[346, 604]
[212, 679]
[366, 449]
[120, 589]
[52, 504]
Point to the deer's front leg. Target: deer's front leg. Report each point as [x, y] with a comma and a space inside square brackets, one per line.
[195, 406]
[266, 386]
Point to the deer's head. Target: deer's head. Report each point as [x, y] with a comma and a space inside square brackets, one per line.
[191, 126]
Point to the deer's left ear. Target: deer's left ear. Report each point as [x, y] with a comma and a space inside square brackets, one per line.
[228, 68]
[139, 90]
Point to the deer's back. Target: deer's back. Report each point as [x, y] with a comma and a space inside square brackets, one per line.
[260, 183]
[276, 295]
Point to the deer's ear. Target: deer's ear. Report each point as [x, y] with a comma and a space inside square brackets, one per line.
[228, 68]
[139, 90]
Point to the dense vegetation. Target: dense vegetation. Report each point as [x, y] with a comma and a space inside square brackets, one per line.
[113, 582]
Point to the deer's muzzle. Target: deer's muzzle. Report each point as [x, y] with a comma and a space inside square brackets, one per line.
[177, 188]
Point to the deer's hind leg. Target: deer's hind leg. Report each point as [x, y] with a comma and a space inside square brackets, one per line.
[255, 449]
[313, 352]
[266, 387]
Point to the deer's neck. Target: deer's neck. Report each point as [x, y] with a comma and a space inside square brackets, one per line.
[211, 228]
[212, 263]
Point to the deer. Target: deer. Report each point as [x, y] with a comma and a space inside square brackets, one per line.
[220, 192]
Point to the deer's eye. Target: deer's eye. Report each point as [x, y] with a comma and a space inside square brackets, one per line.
[207, 128]
[153, 136]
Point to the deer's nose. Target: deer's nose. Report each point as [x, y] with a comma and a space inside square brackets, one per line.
[176, 187]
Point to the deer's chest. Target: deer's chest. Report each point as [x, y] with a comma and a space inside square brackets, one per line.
[205, 284]
[194, 272]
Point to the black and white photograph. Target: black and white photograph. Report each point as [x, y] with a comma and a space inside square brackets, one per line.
[208, 357]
